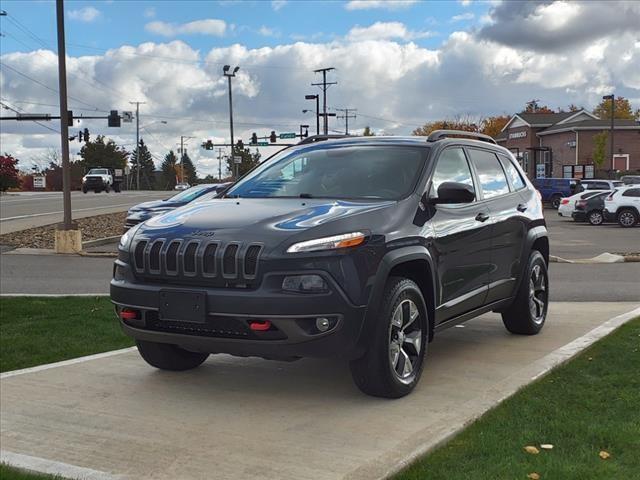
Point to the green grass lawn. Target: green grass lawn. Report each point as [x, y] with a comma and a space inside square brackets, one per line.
[34, 331]
[589, 405]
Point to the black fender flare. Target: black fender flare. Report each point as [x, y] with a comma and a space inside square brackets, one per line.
[539, 231]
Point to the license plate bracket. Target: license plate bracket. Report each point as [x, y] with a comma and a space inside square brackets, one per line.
[183, 306]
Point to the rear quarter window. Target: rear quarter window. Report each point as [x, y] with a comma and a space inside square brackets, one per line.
[493, 181]
[632, 192]
[512, 172]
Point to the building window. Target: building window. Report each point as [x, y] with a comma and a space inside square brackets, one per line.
[577, 171]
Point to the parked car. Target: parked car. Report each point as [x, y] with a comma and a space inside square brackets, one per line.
[144, 211]
[553, 190]
[182, 186]
[630, 179]
[363, 247]
[597, 184]
[591, 209]
[623, 206]
[568, 204]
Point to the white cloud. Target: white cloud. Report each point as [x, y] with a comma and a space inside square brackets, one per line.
[465, 3]
[209, 26]
[379, 4]
[463, 17]
[278, 4]
[149, 12]
[85, 14]
[268, 32]
[384, 31]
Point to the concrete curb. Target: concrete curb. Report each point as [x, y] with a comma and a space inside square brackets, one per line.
[52, 295]
[42, 465]
[50, 251]
[100, 241]
[602, 258]
[422, 444]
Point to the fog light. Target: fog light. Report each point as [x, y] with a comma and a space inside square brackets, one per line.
[305, 284]
[322, 324]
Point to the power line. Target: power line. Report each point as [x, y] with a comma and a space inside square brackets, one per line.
[34, 121]
[346, 117]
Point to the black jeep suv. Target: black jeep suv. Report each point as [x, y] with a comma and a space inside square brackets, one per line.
[361, 247]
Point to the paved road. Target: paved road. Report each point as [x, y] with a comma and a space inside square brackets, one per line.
[256, 419]
[71, 274]
[33, 209]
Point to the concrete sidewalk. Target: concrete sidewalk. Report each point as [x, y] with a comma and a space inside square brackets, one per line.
[256, 419]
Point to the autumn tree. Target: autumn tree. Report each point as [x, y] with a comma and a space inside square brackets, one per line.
[492, 126]
[169, 171]
[599, 148]
[534, 107]
[8, 172]
[103, 153]
[367, 132]
[464, 123]
[623, 109]
[147, 167]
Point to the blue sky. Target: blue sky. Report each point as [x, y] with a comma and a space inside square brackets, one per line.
[110, 24]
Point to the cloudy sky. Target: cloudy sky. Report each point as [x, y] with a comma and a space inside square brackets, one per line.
[399, 63]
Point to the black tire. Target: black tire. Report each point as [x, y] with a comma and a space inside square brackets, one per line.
[106, 189]
[595, 217]
[627, 218]
[527, 314]
[377, 373]
[84, 190]
[555, 201]
[169, 357]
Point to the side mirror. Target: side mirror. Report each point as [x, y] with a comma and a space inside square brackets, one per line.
[454, 192]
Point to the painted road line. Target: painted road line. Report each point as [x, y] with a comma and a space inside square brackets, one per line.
[60, 212]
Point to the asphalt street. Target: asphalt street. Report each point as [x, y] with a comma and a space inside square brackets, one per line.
[34, 209]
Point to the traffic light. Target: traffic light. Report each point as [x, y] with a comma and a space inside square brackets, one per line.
[208, 145]
[272, 137]
[80, 136]
[85, 135]
[306, 132]
[254, 138]
[69, 118]
[240, 145]
[113, 119]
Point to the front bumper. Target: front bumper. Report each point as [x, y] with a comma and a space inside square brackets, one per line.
[230, 310]
[579, 216]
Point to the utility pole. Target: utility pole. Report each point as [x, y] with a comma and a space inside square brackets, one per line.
[346, 117]
[225, 72]
[137, 104]
[220, 164]
[324, 86]
[182, 139]
[64, 114]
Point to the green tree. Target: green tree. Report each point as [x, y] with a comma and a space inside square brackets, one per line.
[599, 148]
[169, 170]
[623, 109]
[8, 172]
[147, 167]
[187, 170]
[103, 154]
[367, 132]
[249, 160]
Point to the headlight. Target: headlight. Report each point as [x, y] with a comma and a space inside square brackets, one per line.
[84, 179]
[125, 240]
[329, 243]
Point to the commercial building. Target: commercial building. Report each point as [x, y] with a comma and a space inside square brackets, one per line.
[562, 144]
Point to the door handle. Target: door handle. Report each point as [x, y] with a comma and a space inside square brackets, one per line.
[521, 207]
[482, 217]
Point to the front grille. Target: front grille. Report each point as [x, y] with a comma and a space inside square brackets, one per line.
[209, 263]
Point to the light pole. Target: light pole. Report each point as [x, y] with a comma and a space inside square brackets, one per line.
[225, 72]
[305, 128]
[182, 139]
[137, 104]
[317, 99]
[611, 97]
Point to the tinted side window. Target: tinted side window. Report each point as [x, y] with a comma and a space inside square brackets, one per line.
[490, 173]
[512, 173]
[632, 192]
[452, 166]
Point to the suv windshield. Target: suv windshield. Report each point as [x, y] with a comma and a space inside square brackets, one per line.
[381, 172]
[98, 171]
[189, 194]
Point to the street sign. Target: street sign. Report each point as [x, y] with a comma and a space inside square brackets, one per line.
[39, 181]
[237, 159]
[260, 144]
[127, 117]
[287, 135]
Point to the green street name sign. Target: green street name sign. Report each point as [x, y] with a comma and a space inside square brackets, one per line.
[260, 144]
[287, 135]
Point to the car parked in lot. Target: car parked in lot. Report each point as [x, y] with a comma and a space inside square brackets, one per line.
[623, 206]
[182, 186]
[553, 190]
[598, 184]
[630, 179]
[363, 247]
[144, 211]
[568, 204]
[590, 209]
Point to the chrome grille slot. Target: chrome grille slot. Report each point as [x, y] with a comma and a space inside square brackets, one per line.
[189, 258]
[251, 260]
[154, 256]
[229, 261]
[138, 255]
[171, 259]
[209, 260]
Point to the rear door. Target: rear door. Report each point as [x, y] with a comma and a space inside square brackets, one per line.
[508, 220]
[462, 241]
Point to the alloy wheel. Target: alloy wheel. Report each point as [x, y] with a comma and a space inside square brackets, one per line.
[595, 218]
[537, 294]
[405, 340]
[627, 219]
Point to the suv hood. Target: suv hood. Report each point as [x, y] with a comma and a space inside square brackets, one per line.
[259, 219]
[153, 204]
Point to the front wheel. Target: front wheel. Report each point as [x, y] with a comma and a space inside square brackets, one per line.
[169, 357]
[397, 346]
[555, 201]
[528, 312]
[595, 217]
[627, 218]
[107, 188]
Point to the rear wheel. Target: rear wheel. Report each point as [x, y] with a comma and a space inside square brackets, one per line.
[627, 218]
[169, 357]
[595, 217]
[555, 201]
[528, 312]
[392, 365]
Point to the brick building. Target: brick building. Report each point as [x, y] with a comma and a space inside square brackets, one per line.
[562, 144]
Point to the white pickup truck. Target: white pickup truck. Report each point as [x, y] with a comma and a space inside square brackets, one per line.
[98, 179]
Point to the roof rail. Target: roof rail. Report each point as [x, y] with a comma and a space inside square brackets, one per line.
[320, 138]
[440, 134]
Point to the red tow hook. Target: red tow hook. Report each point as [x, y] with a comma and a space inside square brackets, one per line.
[260, 325]
[128, 314]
